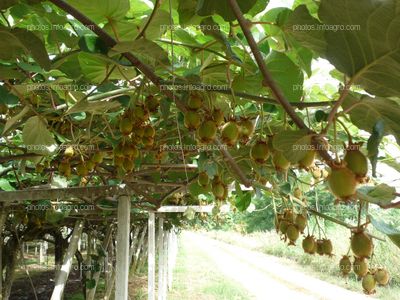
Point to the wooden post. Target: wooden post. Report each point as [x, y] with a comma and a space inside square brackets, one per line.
[160, 241]
[165, 266]
[122, 270]
[62, 276]
[151, 257]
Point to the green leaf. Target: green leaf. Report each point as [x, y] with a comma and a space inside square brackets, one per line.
[5, 185]
[222, 8]
[90, 283]
[378, 131]
[389, 230]
[381, 194]
[293, 144]
[302, 27]
[92, 44]
[37, 138]
[368, 111]
[144, 48]
[10, 122]
[366, 43]
[100, 11]
[34, 46]
[242, 202]
[10, 46]
[6, 97]
[96, 67]
[94, 107]
[286, 74]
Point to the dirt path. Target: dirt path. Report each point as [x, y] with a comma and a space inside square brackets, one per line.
[264, 276]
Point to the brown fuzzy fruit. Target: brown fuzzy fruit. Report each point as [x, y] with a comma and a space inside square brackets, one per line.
[360, 267]
[64, 168]
[140, 114]
[195, 102]
[128, 164]
[207, 131]
[298, 193]
[118, 161]
[152, 103]
[327, 247]
[125, 126]
[342, 183]
[219, 190]
[259, 152]
[320, 249]
[361, 244]
[292, 233]
[192, 120]
[345, 265]
[81, 169]
[369, 283]
[309, 244]
[280, 162]
[300, 222]
[149, 131]
[203, 179]
[246, 128]
[98, 157]
[218, 116]
[357, 163]
[382, 276]
[230, 133]
[39, 168]
[308, 160]
[283, 226]
[90, 165]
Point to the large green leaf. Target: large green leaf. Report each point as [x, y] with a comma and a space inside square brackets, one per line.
[37, 138]
[94, 107]
[381, 194]
[293, 143]
[368, 111]
[287, 75]
[96, 67]
[34, 46]
[146, 49]
[301, 26]
[10, 46]
[222, 8]
[363, 41]
[389, 230]
[102, 10]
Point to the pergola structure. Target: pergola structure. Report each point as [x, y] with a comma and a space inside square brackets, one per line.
[137, 193]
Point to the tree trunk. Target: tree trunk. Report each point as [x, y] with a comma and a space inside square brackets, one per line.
[90, 293]
[11, 255]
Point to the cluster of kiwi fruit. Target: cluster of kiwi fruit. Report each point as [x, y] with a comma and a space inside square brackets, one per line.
[218, 188]
[136, 131]
[348, 173]
[362, 248]
[262, 149]
[206, 123]
[290, 225]
[83, 167]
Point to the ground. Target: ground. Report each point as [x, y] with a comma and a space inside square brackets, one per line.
[222, 271]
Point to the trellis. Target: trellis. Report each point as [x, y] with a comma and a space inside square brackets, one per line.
[165, 242]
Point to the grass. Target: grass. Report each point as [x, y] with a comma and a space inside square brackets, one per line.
[323, 267]
[195, 280]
